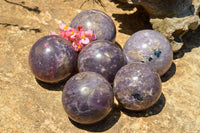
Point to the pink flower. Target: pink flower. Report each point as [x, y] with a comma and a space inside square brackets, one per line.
[90, 34]
[62, 26]
[87, 36]
[80, 28]
[53, 33]
[62, 34]
[78, 38]
[85, 40]
[77, 46]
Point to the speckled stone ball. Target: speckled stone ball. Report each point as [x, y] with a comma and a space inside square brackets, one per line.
[52, 59]
[102, 25]
[137, 86]
[151, 47]
[103, 57]
[87, 97]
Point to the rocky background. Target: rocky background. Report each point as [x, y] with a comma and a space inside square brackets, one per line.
[27, 105]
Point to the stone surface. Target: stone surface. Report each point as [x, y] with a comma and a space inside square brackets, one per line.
[52, 59]
[26, 106]
[151, 47]
[175, 28]
[103, 57]
[173, 18]
[87, 97]
[137, 86]
[97, 21]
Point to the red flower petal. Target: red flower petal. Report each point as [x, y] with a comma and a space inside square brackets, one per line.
[80, 28]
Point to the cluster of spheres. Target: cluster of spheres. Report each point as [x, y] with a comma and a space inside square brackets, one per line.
[88, 96]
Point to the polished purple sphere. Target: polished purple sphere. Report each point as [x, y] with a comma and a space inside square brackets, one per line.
[103, 57]
[102, 25]
[52, 59]
[137, 86]
[87, 97]
[151, 47]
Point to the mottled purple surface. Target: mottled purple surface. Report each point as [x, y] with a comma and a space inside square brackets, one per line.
[137, 86]
[103, 57]
[102, 25]
[151, 47]
[52, 59]
[87, 97]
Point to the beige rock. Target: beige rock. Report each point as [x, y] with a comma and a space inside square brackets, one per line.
[175, 28]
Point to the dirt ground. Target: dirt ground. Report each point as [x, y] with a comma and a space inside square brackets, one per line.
[27, 105]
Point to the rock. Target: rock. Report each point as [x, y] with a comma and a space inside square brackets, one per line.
[175, 28]
[172, 18]
[167, 8]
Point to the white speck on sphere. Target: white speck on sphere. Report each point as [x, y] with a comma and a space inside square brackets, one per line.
[85, 90]
[98, 55]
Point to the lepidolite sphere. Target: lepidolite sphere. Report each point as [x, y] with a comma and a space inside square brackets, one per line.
[151, 47]
[137, 86]
[103, 57]
[52, 59]
[102, 25]
[87, 97]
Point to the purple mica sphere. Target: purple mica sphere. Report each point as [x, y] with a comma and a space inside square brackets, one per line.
[151, 47]
[52, 59]
[103, 57]
[87, 97]
[137, 86]
[102, 25]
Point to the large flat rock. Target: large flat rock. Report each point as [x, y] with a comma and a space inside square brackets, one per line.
[27, 105]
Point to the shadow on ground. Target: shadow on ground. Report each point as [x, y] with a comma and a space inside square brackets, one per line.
[131, 23]
[102, 125]
[154, 110]
[36, 30]
[123, 6]
[191, 40]
[170, 73]
[52, 87]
